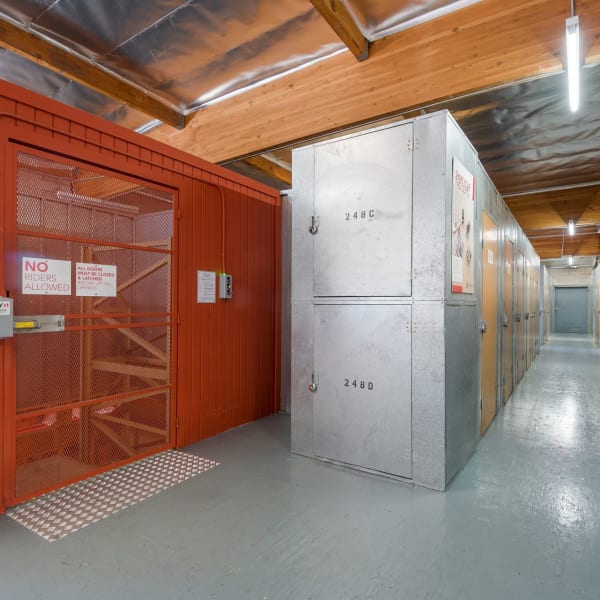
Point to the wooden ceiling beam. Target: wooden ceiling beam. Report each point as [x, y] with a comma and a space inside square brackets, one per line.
[554, 209]
[341, 21]
[58, 59]
[271, 168]
[484, 45]
[588, 245]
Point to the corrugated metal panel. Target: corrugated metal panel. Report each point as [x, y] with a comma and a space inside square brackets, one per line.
[384, 17]
[187, 52]
[226, 367]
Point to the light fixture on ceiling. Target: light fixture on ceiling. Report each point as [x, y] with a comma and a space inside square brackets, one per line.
[571, 225]
[573, 63]
[570, 261]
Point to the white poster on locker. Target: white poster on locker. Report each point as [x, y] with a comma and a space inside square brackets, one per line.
[95, 280]
[463, 205]
[46, 276]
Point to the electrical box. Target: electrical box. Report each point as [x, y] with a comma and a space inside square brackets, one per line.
[6, 317]
[225, 286]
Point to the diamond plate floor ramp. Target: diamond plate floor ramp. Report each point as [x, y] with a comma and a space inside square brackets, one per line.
[57, 514]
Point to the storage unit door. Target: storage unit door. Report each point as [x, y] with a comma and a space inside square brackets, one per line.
[362, 405]
[508, 320]
[363, 202]
[489, 309]
[520, 318]
[571, 308]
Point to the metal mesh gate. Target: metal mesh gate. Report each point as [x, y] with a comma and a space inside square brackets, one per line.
[98, 393]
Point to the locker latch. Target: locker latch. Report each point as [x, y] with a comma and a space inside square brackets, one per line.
[313, 385]
[314, 225]
[483, 326]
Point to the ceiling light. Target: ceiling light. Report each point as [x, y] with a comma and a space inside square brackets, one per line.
[571, 227]
[570, 261]
[572, 25]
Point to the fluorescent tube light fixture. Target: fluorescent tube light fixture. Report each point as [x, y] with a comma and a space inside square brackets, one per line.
[571, 227]
[570, 261]
[573, 62]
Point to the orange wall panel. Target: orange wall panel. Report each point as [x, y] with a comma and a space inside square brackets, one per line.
[227, 374]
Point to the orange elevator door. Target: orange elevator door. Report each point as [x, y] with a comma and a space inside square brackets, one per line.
[91, 278]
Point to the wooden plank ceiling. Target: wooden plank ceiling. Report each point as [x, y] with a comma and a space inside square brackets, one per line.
[60, 60]
[544, 218]
[483, 46]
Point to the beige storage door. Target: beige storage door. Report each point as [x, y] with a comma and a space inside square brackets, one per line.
[527, 308]
[519, 317]
[507, 360]
[489, 301]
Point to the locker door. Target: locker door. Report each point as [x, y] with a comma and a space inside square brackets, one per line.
[536, 312]
[363, 202]
[362, 406]
[519, 317]
[527, 315]
[489, 343]
[507, 360]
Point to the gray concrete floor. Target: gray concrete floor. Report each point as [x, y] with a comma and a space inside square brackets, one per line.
[520, 522]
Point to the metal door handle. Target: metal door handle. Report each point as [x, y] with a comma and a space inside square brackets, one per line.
[483, 326]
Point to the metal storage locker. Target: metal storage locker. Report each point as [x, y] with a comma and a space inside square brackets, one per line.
[384, 356]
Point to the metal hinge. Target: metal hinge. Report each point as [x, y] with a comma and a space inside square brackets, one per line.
[411, 326]
[413, 144]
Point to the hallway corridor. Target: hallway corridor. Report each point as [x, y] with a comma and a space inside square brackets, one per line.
[520, 522]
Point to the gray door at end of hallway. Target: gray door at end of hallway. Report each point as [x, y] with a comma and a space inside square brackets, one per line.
[571, 309]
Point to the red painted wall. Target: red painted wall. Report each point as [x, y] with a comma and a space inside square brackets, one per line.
[226, 354]
[228, 365]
